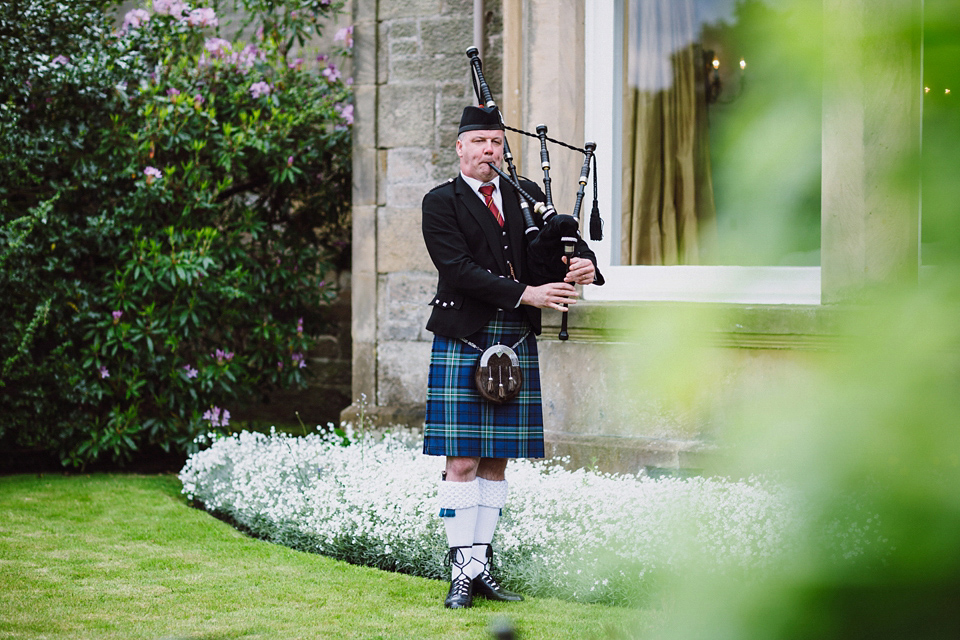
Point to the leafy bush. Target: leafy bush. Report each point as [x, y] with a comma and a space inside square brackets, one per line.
[171, 205]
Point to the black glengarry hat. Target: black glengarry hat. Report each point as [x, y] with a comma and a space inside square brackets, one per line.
[480, 118]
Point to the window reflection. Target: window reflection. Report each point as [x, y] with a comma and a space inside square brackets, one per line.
[941, 133]
[721, 144]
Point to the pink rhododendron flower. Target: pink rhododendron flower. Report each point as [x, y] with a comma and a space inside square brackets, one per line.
[331, 73]
[218, 417]
[296, 64]
[60, 60]
[345, 111]
[173, 92]
[134, 18]
[258, 89]
[199, 99]
[116, 316]
[345, 35]
[190, 371]
[173, 8]
[152, 174]
[204, 17]
[245, 59]
[104, 372]
[217, 47]
[298, 360]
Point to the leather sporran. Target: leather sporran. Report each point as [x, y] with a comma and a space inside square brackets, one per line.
[498, 375]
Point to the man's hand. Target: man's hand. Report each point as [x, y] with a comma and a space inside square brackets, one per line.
[581, 271]
[552, 295]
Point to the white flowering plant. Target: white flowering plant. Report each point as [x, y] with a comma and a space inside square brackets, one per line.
[581, 535]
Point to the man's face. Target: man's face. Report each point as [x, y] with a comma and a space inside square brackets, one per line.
[478, 148]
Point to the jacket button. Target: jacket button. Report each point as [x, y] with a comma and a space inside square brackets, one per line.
[444, 304]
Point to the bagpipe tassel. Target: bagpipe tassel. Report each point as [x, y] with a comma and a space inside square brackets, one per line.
[596, 223]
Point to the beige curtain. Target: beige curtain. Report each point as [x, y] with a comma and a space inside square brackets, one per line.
[668, 208]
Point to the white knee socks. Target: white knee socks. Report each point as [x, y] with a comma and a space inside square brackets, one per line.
[493, 495]
[458, 503]
[470, 512]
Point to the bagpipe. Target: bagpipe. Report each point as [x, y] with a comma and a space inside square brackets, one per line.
[559, 236]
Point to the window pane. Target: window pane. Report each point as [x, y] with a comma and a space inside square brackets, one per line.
[721, 148]
[941, 132]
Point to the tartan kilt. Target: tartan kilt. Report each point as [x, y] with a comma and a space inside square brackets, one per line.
[459, 422]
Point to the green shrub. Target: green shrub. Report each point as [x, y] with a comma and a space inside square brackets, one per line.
[171, 206]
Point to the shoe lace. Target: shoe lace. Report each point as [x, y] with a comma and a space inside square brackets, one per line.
[459, 559]
[461, 585]
[487, 573]
[490, 580]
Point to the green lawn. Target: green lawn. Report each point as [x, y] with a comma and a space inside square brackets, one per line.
[123, 556]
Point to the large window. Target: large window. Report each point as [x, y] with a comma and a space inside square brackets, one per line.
[714, 151]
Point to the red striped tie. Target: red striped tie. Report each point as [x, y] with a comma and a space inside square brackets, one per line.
[487, 191]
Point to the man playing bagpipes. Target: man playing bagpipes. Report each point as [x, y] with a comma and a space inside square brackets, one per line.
[483, 395]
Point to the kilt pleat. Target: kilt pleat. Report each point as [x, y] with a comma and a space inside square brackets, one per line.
[459, 422]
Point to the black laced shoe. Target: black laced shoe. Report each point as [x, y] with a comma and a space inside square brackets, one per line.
[460, 595]
[485, 586]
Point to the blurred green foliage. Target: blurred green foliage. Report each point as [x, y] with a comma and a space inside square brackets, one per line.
[865, 434]
[170, 207]
[765, 133]
[865, 438]
[939, 233]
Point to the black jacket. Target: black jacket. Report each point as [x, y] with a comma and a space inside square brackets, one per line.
[466, 245]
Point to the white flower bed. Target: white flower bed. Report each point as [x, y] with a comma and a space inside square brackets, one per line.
[575, 534]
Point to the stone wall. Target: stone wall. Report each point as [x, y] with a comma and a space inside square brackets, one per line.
[412, 81]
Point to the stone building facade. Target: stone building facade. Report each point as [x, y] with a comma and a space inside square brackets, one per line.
[410, 84]
[412, 81]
